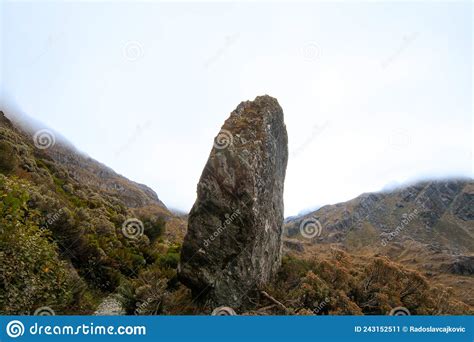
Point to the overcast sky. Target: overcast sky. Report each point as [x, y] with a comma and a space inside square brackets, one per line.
[373, 94]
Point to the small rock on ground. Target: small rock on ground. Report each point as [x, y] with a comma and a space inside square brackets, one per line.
[110, 306]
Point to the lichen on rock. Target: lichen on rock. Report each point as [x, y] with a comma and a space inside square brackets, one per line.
[234, 238]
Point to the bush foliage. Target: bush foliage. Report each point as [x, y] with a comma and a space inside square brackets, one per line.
[340, 286]
[32, 273]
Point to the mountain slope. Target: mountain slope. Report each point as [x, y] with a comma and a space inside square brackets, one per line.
[428, 227]
[74, 234]
[439, 214]
[97, 227]
[77, 167]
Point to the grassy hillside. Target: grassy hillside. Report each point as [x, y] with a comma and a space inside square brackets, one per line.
[427, 227]
[69, 232]
[73, 233]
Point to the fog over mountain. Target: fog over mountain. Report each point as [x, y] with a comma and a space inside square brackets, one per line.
[368, 101]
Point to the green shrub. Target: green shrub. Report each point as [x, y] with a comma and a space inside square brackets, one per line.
[171, 258]
[32, 274]
[154, 228]
[8, 159]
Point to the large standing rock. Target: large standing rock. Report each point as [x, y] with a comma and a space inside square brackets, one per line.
[234, 238]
